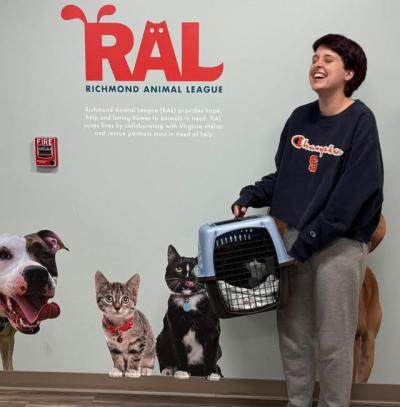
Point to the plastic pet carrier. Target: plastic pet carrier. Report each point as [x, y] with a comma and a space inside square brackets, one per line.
[242, 263]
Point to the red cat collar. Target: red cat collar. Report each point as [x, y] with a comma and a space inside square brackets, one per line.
[117, 330]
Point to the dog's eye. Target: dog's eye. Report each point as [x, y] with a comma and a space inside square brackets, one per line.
[125, 299]
[5, 254]
[179, 269]
[109, 298]
[45, 255]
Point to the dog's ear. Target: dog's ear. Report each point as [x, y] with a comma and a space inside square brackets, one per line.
[133, 284]
[100, 280]
[52, 240]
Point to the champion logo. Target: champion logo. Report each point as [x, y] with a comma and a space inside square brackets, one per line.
[302, 143]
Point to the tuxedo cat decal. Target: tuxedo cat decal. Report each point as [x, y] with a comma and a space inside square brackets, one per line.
[188, 344]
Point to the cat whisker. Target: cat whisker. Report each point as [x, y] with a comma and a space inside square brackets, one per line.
[199, 286]
[175, 286]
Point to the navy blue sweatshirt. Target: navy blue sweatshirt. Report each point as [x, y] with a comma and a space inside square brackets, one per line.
[329, 178]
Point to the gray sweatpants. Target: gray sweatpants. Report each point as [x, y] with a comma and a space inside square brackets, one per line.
[318, 324]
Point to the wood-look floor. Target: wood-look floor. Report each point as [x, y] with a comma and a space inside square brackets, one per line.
[23, 398]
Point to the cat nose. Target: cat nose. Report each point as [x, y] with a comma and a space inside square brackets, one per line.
[117, 307]
[189, 284]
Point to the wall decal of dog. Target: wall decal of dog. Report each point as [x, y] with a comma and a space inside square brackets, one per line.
[369, 315]
[28, 278]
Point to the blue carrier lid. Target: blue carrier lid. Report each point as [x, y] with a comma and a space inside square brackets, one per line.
[209, 233]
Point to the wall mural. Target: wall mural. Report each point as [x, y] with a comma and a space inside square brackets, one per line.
[150, 107]
[188, 344]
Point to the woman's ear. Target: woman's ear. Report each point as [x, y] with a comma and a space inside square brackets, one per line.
[349, 75]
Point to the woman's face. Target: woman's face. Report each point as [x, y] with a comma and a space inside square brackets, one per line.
[327, 73]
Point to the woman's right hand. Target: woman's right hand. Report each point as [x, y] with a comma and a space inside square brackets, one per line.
[239, 211]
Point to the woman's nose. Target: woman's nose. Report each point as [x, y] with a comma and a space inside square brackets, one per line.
[317, 65]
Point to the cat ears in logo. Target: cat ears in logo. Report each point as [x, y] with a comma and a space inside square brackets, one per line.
[70, 12]
[172, 253]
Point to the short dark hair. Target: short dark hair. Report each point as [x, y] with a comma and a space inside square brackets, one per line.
[353, 56]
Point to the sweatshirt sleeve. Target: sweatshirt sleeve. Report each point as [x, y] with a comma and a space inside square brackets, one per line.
[358, 192]
[260, 194]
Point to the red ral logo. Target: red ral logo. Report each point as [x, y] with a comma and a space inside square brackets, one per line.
[46, 151]
[155, 34]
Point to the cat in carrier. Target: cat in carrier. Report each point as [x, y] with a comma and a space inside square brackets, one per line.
[244, 262]
[188, 344]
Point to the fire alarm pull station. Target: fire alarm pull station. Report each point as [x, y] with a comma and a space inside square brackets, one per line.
[46, 151]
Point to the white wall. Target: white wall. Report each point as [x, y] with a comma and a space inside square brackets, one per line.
[118, 202]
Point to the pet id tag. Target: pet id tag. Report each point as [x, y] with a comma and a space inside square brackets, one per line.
[186, 306]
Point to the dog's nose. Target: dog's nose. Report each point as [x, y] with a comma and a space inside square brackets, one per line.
[36, 277]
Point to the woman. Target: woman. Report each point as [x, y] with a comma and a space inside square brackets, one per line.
[328, 189]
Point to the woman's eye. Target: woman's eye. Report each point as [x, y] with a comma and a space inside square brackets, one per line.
[109, 298]
[125, 300]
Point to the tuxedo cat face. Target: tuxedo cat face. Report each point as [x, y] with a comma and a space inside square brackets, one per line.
[116, 299]
[180, 274]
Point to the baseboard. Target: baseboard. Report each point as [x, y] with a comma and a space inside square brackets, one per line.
[363, 394]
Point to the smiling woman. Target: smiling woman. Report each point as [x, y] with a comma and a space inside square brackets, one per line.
[330, 221]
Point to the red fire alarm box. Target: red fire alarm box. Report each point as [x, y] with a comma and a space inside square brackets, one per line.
[46, 151]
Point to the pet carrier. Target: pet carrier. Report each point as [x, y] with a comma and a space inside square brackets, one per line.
[242, 263]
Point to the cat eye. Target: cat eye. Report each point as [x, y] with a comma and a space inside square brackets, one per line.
[125, 300]
[179, 269]
[109, 298]
[5, 254]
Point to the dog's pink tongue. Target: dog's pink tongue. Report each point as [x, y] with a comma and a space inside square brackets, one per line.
[34, 313]
[48, 311]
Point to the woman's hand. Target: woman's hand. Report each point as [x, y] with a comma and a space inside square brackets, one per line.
[239, 211]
